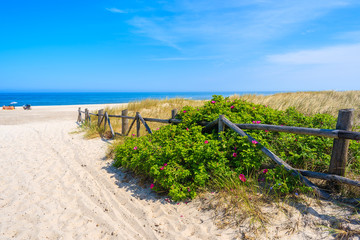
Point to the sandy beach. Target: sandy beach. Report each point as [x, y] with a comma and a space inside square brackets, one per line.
[57, 185]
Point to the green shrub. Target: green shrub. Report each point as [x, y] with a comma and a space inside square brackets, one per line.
[180, 159]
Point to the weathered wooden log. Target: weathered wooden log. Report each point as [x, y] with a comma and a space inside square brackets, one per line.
[131, 125]
[111, 129]
[340, 146]
[221, 126]
[105, 120]
[278, 160]
[289, 129]
[156, 120]
[87, 116]
[174, 121]
[100, 116]
[122, 116]
[137, 124]
[173, 113]
[102, 119]
[124, 121]
[145, 124]
[329, 177]
[298, 130]
[210, 125]
[79, 115]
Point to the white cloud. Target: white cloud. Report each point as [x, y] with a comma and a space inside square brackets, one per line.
[349, 36]
[329, 55]
[115, 10]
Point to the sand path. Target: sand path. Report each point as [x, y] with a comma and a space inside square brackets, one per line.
[57, 185]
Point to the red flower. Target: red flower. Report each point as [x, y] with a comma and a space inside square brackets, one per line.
[242, 178]
[234, 154]
[265, 171]
[206, 142]
[152, 186]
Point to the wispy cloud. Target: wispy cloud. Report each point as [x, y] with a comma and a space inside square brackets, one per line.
[185, 58]
[332, 67]
[231, 23]
[353, 36]
[115, 10]
[342, 54]
[154, 31]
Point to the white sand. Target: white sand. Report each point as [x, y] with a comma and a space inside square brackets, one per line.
[56, 185]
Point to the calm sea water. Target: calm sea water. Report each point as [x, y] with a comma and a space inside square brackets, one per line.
[73, 98]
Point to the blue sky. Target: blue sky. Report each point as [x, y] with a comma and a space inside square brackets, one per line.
[180, 45]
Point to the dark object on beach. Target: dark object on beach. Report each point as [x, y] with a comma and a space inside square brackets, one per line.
[8, 107]
[27, 107]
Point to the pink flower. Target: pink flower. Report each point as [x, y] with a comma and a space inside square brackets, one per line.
[235, 148]
[184, 111]
[162, 168]
[206, 142]
[242, 178]
[232, 107]
[234, 154]
[165, 164]
[135, 148]
[133, 135]
[253, 107]
[152, 186]
[157, 128]
[213, 102]
[254, 122]
[254, 142]
[266, 131]
[258, 122]
[187, 129]
[265, 171]
[189, 190]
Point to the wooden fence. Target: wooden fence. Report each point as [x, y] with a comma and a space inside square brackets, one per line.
[341, 135]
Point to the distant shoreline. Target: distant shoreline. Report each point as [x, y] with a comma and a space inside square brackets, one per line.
[81, 98]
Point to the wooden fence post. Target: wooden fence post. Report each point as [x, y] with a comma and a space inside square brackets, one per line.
[100, 115]
[109, 123]
[79, 116]
[125, 122]
[340, 146]
[137, 124]
[87, 116]
[173, 113]
[221, 126]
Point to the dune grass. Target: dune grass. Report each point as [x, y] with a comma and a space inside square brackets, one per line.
[310, 103]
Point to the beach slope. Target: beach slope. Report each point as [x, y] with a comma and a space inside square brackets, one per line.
[57, 185]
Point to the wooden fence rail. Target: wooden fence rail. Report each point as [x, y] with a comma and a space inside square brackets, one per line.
[341, 135]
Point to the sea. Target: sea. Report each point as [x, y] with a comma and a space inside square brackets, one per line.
[78, 98]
